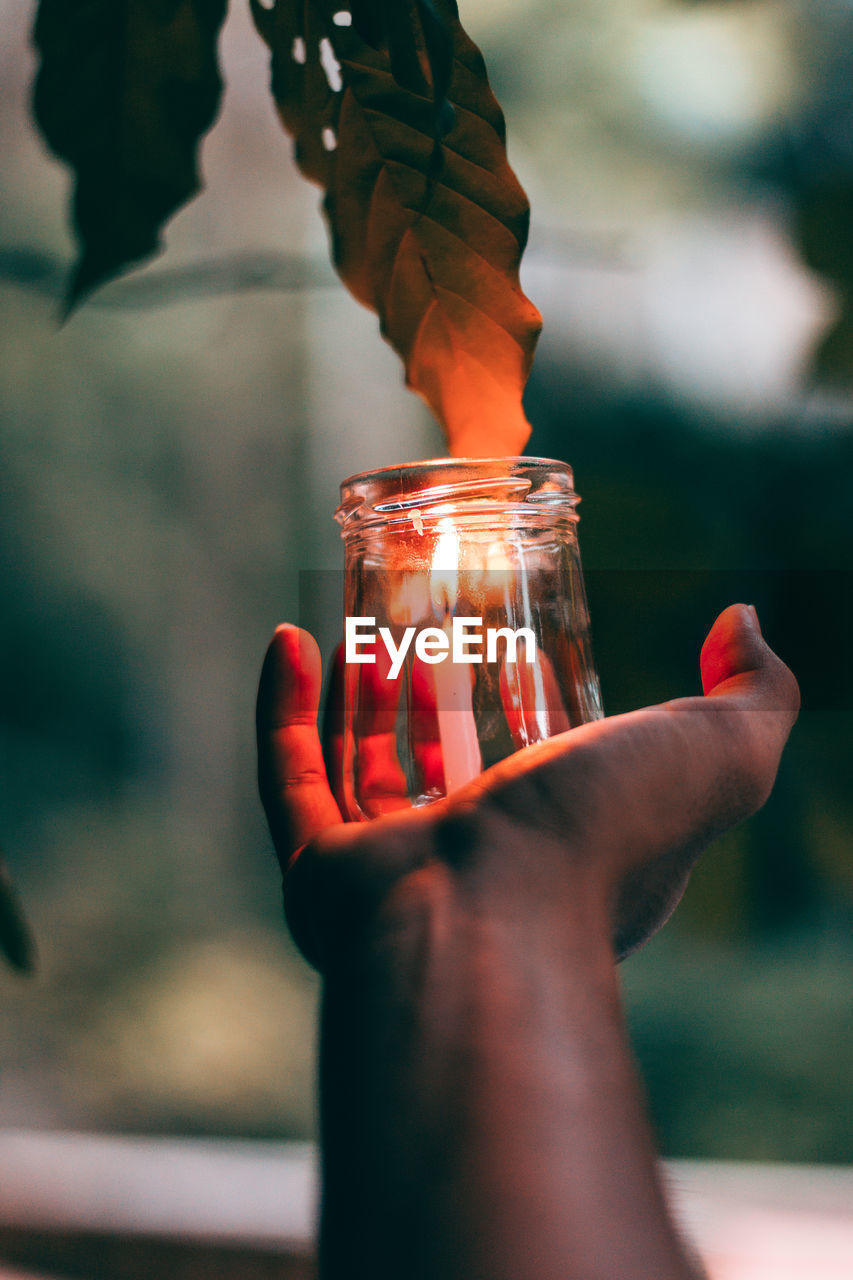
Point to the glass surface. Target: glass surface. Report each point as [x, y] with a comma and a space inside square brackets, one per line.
[474, 632]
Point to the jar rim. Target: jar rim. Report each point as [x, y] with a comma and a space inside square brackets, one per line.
[515, 486]
[380, 473]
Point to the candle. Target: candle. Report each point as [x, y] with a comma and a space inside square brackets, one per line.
[457, 728]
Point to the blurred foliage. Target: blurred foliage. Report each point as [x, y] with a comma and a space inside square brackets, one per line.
[745, 1053]
[16, 942]
[811, 160]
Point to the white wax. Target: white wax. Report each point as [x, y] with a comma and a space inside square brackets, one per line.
[457, 728]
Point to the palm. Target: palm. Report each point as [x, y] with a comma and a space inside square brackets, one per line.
[638, 796]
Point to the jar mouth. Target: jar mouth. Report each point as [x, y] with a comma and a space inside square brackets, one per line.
[450, 464]
[518, 485]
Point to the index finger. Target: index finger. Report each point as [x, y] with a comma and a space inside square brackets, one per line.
[292, 778]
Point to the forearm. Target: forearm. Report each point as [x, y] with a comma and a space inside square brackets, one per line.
[482, 1118]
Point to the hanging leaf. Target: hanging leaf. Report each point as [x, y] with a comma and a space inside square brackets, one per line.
[419, 44]
[124, 92]
[434, 249]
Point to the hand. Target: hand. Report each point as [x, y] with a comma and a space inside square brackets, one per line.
[480, 1114]
[617, 810]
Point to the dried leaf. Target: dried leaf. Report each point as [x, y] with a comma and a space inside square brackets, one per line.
[125, 90]
[434, 250]
[419, 44]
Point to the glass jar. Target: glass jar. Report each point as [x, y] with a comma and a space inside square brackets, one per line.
[466, 623]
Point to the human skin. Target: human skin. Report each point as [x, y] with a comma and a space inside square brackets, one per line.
[481, 1116]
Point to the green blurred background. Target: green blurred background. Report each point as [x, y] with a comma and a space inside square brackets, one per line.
[170, 461]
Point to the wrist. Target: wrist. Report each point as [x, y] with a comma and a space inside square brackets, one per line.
[476, 869]
[475, 1071]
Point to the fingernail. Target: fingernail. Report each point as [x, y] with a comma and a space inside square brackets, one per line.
[755, 621]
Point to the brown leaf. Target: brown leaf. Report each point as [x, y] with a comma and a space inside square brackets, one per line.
[125, 90]
[433, 249]
[419, 44]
